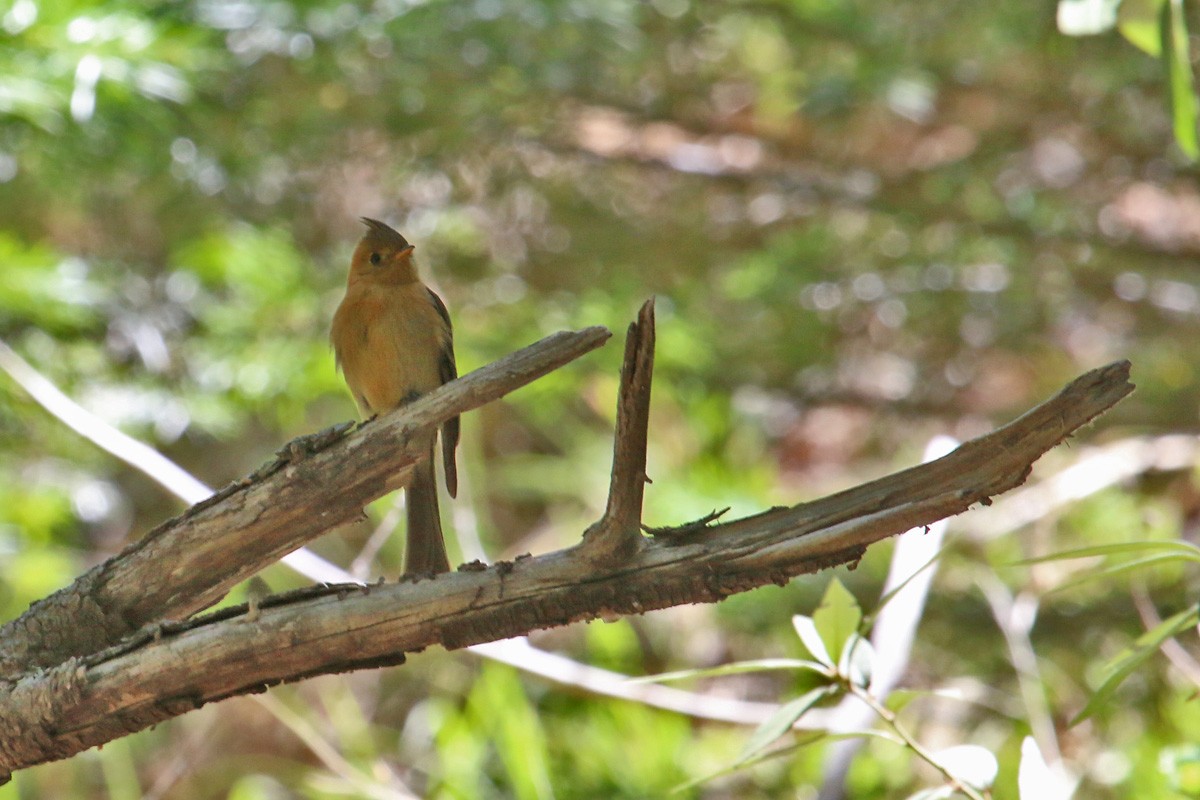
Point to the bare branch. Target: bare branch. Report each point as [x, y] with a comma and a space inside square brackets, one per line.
[517, 652]
[139, 455]
[1094, 469]
[618, 533]
[165, 671]
[315, 484]
[520, 653]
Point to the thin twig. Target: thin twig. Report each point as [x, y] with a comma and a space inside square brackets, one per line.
[893, 722]
[1015, 617]
[892, 633]
[1171, 648]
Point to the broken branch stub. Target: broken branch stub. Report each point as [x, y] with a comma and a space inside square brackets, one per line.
[78, 702]
[617, 534]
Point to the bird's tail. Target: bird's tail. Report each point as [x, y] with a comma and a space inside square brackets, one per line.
[426, 550]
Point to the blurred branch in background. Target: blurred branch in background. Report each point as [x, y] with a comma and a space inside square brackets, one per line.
[141, 456]
[1097, 467]
[1016, 616]
[910, 575]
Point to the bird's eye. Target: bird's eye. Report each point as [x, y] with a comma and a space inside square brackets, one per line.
[375, 258]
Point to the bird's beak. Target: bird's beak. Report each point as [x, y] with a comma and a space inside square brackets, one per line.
[406, 252]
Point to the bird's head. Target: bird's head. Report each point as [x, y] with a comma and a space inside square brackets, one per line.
[383, 255]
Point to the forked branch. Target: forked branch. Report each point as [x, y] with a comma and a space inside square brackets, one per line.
[88, 697]
[314, 484]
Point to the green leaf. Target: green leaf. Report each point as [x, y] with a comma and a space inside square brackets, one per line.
[837, 618]
[1117, 569]
[1185, 550]
[897, 700]
[1086, 17]
[806, 629]
[737, 668]
[857, 663]
[1184, 108]
[803, 739]
[782, 721]
[1125, 662]
[1138, 21]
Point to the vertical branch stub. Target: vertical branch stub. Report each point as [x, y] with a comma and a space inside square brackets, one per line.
[617, 535]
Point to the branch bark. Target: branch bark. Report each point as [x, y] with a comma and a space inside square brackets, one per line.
[85, 698]
[314, 484]
[617, 535]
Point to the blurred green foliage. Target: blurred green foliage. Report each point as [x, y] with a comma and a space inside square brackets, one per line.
[865, 224]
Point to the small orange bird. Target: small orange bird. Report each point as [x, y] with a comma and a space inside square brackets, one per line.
[393, 342]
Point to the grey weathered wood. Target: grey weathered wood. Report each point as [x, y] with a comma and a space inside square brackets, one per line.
[315, 484]
[617, 534]
[165, 671]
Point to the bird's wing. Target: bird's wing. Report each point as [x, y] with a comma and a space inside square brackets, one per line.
[448, 370]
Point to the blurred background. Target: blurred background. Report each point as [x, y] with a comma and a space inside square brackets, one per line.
[866, 224]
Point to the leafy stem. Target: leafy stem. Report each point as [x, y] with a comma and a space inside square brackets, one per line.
[893, 721]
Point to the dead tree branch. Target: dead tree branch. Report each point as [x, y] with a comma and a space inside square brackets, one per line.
[618, 533]
[84, 696]
[313, 485]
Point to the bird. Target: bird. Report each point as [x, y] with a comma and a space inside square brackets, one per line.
[393, 342]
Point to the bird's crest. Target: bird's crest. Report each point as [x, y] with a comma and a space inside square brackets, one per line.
[383, 234]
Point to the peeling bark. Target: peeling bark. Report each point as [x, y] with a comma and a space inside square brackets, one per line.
[313, 485]
[100, 660]
[617, 534]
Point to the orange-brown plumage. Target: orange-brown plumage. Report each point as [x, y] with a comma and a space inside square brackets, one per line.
[393, 342]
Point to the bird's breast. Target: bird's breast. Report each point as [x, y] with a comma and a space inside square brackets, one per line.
[388, 341]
